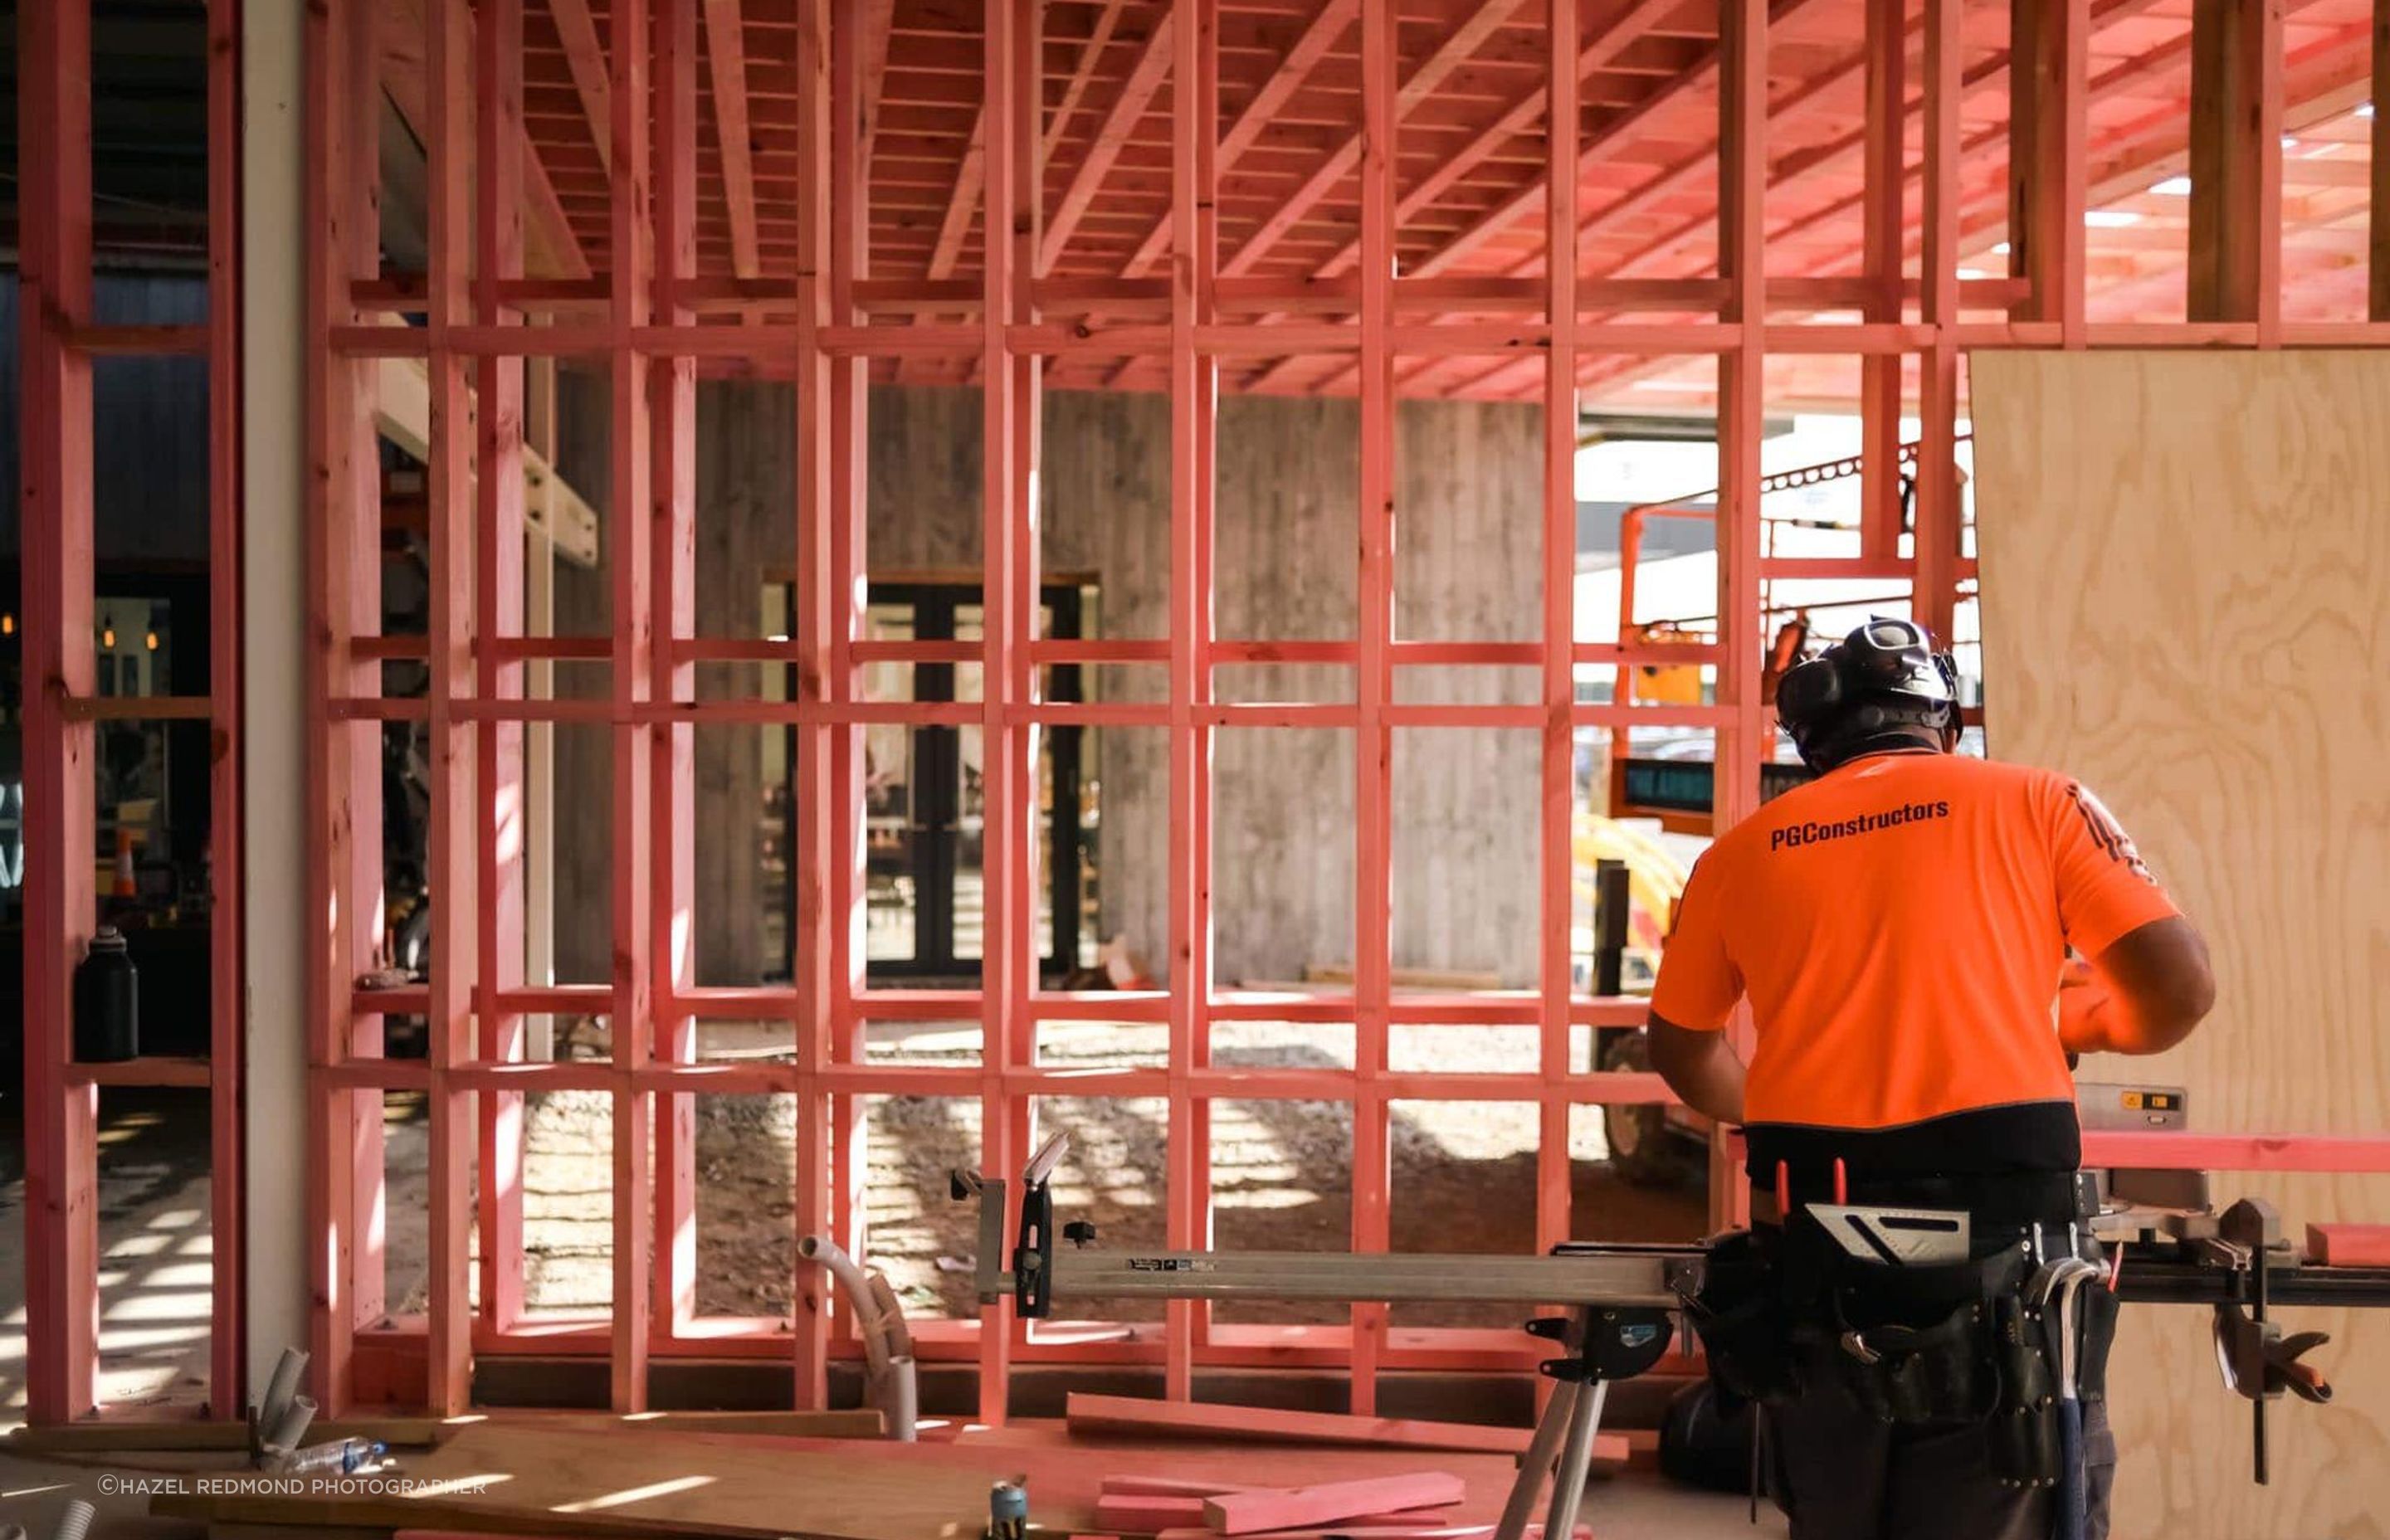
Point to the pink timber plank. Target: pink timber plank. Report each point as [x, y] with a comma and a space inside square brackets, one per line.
[1291, 1507]
[1118, 1414]
[2349, 1245]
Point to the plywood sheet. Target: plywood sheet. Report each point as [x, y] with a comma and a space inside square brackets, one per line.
[565, 1482]
[866, 1489]
[109, 1435]
[2186, 579]
[1066, 1470]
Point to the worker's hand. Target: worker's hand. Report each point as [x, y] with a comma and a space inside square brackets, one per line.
[2084, 1008]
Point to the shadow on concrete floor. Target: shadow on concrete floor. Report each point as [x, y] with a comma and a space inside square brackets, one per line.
[155, 1285]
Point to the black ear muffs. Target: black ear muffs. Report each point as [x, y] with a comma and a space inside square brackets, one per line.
[1884, 675]
[1808, 690]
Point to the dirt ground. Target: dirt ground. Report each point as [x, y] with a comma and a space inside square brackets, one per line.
[1463, 1182]
[1463, 1174]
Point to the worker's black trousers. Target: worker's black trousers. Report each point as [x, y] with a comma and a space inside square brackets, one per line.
[1840, 1474]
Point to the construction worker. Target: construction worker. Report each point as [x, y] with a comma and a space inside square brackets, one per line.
[1901, 928]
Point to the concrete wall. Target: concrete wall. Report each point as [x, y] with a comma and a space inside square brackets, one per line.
[585, 766]
[1468, 501]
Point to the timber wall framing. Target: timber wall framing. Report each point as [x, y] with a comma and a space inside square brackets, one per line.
[57, 343]
[650, 323]
[641, 316]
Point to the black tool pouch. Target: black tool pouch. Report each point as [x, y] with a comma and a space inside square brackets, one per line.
[2024, 1424]
[1740, 1318]
[1903, 1374]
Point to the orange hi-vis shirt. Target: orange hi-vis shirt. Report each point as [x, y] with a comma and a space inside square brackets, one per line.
[1899, 925]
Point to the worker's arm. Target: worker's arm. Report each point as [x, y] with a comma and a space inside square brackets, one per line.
[2148, 983]
[1701, 1067]
[2143, 994]
[1694, 995]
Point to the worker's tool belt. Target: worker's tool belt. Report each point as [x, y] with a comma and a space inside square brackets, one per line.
[2012, 1200]
[1785, 1312]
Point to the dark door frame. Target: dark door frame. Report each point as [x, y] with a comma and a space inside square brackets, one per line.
[936, 785]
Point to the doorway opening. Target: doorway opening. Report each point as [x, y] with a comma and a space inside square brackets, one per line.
[924, 811]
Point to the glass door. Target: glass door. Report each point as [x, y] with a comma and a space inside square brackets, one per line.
[924, 798]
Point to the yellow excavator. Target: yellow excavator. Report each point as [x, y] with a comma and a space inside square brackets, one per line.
[1649, 1145]
[1654, 879]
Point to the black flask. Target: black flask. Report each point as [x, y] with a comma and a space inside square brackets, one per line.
[107, 1002]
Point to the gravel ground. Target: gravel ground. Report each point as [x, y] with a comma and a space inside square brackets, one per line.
[1463, 1172]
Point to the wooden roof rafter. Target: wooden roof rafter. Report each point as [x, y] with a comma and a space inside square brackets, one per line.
[2330, 74]
[1985, 72]
[1456, 50]
[1334, 19]
[585, 57]
[1614, 41]
[1091, 55]
[726, 52]
[1119, 121]
[1471, 87]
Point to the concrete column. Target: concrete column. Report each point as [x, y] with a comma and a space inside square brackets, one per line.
[274, 643]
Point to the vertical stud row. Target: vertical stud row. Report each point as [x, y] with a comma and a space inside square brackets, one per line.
[227, 997]
[1557, 875]
[2048, 55]
[1020, 222]
[1885, 230]
[2377, 284]
[672, 785]
[498, 610]
[821, 620]
[449, 871]
[1000, 553]
[54, 299]
[1938, 467]
[1373, 738]
[1742, 734]
[1194, 400]
[2236, 165]
[630, 557]
[344, 869]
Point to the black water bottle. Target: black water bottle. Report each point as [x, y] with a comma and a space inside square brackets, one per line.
[107, 1002]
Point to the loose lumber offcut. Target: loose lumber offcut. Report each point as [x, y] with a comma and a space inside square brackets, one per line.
[1129, 1513]
[1167, 1486]
[2349, 1245]
[1293, 1507]
[1351, 1531]
[1121, 1414]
